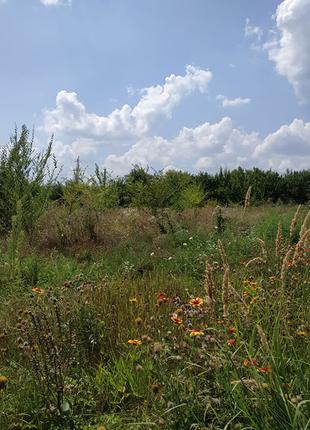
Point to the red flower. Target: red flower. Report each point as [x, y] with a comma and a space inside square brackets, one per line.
[162, 298]
[231, 342]
[252, 361]
[232, 330]
[264, 369]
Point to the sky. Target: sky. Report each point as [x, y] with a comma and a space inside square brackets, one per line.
[167, 84]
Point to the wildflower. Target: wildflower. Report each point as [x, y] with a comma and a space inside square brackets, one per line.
[3, 382]
[190, 238]
[38, 290]
[152, 254]
[101, 428]
[302, 333]
[177, 320]
[252, 361]
[254, 300]
[138, 321]
[232, 330]
[133, 300]
[195, 332]
[197, 301]
[162, 298]
[264, 369]
[231, 342]
[169, 258]
[184, 244]
[134, 342]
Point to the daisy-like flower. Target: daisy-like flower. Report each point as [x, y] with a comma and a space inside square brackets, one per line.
[196, 332]
[176, 319]
[38, 290]
[134, 342]
[197, 301]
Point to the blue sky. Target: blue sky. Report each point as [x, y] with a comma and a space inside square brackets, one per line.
[253, 110]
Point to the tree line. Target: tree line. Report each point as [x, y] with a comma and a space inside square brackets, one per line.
[28, 180]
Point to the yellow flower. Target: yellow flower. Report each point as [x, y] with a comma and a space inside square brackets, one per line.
[38, 290]
[196, 332]
[134, 342]
[133, 300]
[302, 333]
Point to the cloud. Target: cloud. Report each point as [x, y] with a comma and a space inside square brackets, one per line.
[253, 30]
[55, 2]
[239, 101]
[156, 103]
[211, 146]
[126, 136]
[290, 48]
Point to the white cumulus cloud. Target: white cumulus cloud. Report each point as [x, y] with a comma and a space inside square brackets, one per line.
[290, 50]
[70, 115]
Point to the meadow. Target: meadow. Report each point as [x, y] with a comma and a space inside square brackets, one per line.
[154, 301]
[204, 327]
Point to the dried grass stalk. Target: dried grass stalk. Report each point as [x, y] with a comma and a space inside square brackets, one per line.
[247, 197]
[299, 246]
[285, 265]
[209, 283]
[263, 249]
[222, 252]
[255, 260]
[304, 224]
[263, 339]
[279, 240]
[225, 292]
[294, 222]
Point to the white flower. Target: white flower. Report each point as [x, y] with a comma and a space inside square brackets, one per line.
[152, 253]
[184, 244]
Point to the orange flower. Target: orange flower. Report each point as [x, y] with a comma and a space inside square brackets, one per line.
[264, 369]
[196, 332]
[134, 342]
[177, 320]
[252, 361]
[197, 301]
[232, 330]
[231, 342]
[38, 290]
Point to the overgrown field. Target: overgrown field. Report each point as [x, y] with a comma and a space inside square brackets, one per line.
[203, 326]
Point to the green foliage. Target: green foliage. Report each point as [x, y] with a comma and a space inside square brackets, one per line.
[25, 178]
